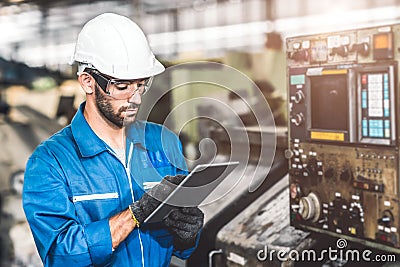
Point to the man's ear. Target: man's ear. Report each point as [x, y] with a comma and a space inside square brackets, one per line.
[87, 83]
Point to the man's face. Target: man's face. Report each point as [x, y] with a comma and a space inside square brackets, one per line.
[118, 112]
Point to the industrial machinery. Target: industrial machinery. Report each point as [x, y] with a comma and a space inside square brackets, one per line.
[344, 134]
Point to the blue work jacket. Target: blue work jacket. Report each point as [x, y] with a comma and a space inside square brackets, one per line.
[74, 183]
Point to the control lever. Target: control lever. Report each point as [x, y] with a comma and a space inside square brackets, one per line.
[342, 51]
[362, 49]
[299, 55]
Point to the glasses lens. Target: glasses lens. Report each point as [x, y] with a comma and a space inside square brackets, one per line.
[120, 89]
[126, 89]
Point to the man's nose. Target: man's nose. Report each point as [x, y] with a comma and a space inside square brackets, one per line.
[135, 98]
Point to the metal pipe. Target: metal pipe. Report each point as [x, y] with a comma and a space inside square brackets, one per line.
[211, 254]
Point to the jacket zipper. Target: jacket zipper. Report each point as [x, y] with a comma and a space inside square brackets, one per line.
[128, 174]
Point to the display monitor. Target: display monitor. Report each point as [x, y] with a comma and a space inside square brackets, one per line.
[329, 103]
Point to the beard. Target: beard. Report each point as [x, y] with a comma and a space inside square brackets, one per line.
[105, 107]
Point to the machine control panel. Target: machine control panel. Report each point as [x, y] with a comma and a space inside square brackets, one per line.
[344, 134]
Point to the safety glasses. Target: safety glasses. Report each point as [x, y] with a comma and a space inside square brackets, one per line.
[120, 89]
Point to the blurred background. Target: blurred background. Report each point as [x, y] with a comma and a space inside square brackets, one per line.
[39, 93]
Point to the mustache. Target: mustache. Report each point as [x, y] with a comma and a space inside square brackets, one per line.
[131, 106]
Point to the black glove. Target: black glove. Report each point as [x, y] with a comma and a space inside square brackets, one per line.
[185, 224]
[152, 198]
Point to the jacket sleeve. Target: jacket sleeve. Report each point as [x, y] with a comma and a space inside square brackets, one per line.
[60, 239]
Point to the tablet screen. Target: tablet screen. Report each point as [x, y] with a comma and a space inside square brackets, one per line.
[194, 188]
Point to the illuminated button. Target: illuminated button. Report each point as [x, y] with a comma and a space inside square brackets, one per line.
[386, 111]
[353, 231]
[387, 133]
[386, 94]
[364, 79]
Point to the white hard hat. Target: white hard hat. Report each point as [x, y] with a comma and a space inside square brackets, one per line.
[116, 46]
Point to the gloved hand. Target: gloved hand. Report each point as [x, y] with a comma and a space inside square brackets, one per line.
[152, 198]
[185, 224]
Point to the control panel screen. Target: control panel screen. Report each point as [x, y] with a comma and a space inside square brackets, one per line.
[375, 105]
[329, 102]
[383, 45]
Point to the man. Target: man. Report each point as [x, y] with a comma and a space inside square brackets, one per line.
[89, 188]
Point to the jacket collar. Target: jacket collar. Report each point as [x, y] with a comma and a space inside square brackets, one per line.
[89, 144]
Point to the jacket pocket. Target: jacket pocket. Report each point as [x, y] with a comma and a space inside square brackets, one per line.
[95, 200]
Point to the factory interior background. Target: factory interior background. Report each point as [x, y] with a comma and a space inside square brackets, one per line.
[39, 94]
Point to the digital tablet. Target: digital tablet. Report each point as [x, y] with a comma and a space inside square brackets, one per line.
[193, 189]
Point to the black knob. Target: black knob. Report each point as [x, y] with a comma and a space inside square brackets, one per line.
[346, 174]
[298, 97]
[330, 173]
[387, 218]
[297, 119]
